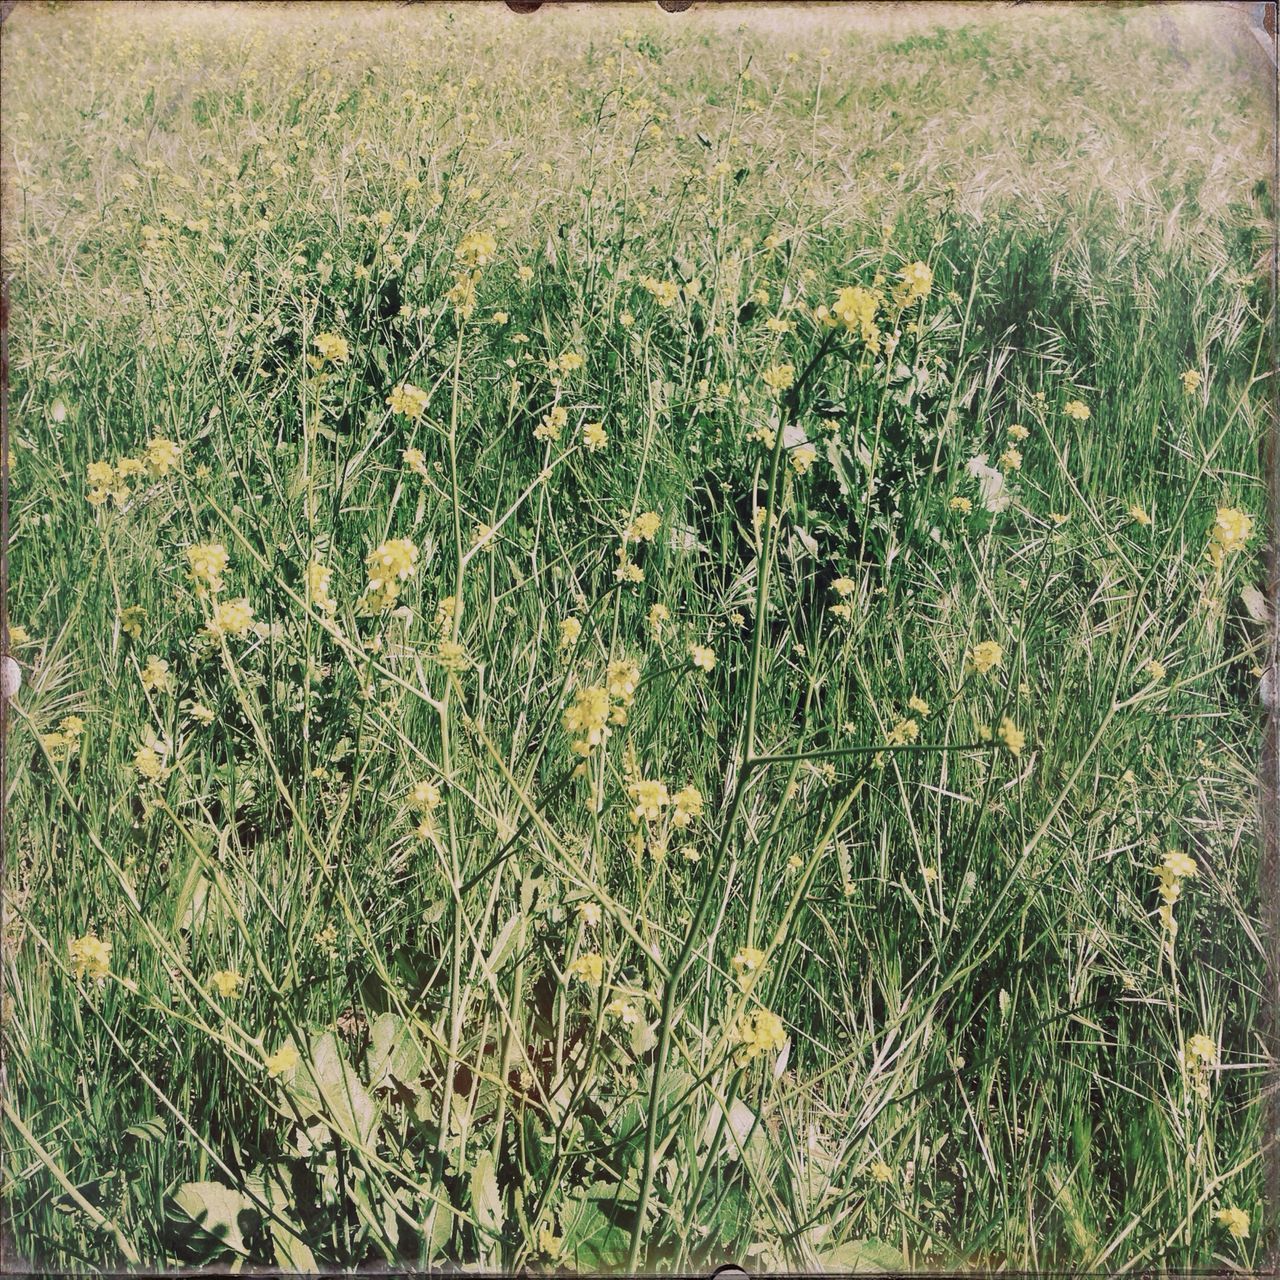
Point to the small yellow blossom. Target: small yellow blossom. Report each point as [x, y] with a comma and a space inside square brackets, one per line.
[1012, 737]
[986, 655]
[594, 436]
[1156, 669]
[702, 657]
[408, 400]
[230, 618]
[779, 377]
[207, 562]
[161, 456]
[155, 675]
[650, 797]
[758, 1032]
[588, 968]
[284, 1059]
[1139, 516]
[90, 956]
[1191, 381]
[962, 505]
[747, 962]
[880, 1171]
[147, 762]
[331, 347]
[570, 630]
[1235, 1220]
[227, 983]
[1076, 409]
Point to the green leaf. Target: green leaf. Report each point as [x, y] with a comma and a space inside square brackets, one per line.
[486, 1201]
[862, 1257]
[589, 1239]
[215, 1210]
[393, 1052]
[329, 1088]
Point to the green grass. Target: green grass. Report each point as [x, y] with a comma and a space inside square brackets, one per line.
[982, 1058]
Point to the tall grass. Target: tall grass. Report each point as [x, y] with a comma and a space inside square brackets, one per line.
[844, 946]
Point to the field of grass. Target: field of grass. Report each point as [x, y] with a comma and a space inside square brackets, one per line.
[640, 637]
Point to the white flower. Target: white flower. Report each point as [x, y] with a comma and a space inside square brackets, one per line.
[990, 483]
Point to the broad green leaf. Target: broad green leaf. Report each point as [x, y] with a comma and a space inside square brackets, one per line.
[216, 1210]
[486, 1201]
[862, 1257]
[329, 1088]
[393, 1052]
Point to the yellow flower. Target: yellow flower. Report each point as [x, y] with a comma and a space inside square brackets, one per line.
[331, 347]
[284, 1059]
[476, 249]
[623, 679]
[1156, 669]
[624, 1009]
[155, 675]
[230, 618]
[855, 308]
[963, 505]
[205, 715]
[1191, 381]
[844, 587]
[162, 456]
[1232, 529]
[90, 956]
[1018, 432]
[650, 798]
[1076, 409]
[319, 577]
[746, 964]
[147, 762]
[702, 658]
[643, 527]
[986, 655]
[552, 425]
[101, 475]
[588, 716]
[803, 458]
[72, 727]
[1012, 737]
[570, 362]
[658, 616]
[389, 564]
[758, 1032]
[880, 1171]
[408, 400]
[1179, 864]
[1139, 516]
[1202, 1048]
[207, 562]
[1011, 459]
[779, 377]
[589, 913]
[570, 630]
[1235, 1220]
[415, 460]
[903, 732]
[594, 437]
[1058, 518]
[452, 656]
[918, 705]
[227, 983]
[917, 280]
[425, 796]
[588, 968]
[688, 802]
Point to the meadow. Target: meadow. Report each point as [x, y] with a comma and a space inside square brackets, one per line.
[641, 638]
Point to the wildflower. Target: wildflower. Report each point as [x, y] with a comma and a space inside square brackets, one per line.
[1191, 381]
[90, 956]
[424, 796]
[880, 1171]
[1202, 1049]
[552, 424]
[101, 477]
[758, 1032]
[1139, 516]
[415, 460]
[408, 400]
[855, 308]
[918, 705]
[589, 913]
[903, 732]
[1180, 865]
[1235, 1220]
[155, 675]
[202, 714]
[1011, 459]
[72, 728]
[803, 458]
[331, 347]
[570, 630]
[319, 577]
[524, 274]
[623, 678]
[588, 716]
[658, 616]
[284, 1059]
[779, 377]
[930, 875]
[1058, 518]
[207, 562]
[1076, 409]
[594, 436]
[746, 964]
[962, 505]
[643, 527]
[1018, 432]
[476, 249]
[227, 983]
[1012, 737]
[570, 362]
[1232, 529]
[230, 618]
[688, 802]
[701, 657]
[917, 280]
[588, 968]
[1155, 669]
[147, 762]
[650, 796]
[986, 655]
[389, 564]
[623, 1009]
[161, 456]
[452, 656]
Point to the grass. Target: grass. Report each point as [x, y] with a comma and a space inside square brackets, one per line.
[842, 945]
